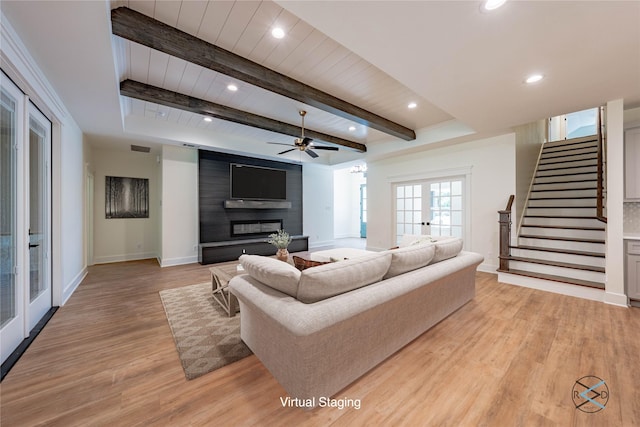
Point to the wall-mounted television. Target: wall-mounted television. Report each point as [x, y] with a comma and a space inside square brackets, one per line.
[258, 183]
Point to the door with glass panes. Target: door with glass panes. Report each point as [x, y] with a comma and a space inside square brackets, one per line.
[430, 207]
[25, 216]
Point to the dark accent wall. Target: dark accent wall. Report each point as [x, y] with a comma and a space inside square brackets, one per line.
[214, 189]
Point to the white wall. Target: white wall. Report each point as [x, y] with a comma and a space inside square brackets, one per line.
[491, 163]
[179, 229]
[317, 204]
[122, 239]
[346, 196]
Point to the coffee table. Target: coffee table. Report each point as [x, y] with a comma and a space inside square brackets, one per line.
[220, 277]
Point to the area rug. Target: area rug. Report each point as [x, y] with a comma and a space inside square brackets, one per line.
[206, 338]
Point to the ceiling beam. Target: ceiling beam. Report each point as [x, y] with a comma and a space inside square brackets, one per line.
[145, 92]
[149, 32]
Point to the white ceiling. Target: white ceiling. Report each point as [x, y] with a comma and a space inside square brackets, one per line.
[464, 67]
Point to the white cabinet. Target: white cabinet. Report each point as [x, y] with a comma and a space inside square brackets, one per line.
[633, 269]
[632, 164]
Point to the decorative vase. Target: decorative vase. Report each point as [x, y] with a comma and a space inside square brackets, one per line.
[283, 254]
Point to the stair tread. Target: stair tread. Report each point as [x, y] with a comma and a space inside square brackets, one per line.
[563, 189]
[560, 216]
[555, 278]
[563, 227]
[560, 251]
[563, 198]
[564, 239]
[558, 264]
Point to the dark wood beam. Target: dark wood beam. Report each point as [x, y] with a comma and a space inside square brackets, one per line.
[145, 92]
[147, 31]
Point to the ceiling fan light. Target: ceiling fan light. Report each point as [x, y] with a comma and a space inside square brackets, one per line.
[493, 4]
[534, 78]
[277, 33]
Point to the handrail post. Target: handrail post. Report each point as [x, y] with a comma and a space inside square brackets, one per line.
[505, 235]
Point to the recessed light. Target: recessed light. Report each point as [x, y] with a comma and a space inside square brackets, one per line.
[534, 78]
[277, 33]
[232, 87]
[208, 119]
[352, 128]
[412, 105]
[493, 4]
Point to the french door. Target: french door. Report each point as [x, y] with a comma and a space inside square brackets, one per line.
[25, 222]
[430, 207]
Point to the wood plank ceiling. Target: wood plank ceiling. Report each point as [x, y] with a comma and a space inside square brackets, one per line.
[305, 54]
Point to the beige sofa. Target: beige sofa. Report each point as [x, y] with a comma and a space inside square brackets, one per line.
[320, 329]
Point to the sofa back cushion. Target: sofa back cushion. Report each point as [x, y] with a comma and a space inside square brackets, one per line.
[409, 258]
[274, 273]
[447, 248]
[332, 279]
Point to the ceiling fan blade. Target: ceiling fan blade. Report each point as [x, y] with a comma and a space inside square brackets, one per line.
[315, 147]
[286, 151]
[279, 143]
[311, 153]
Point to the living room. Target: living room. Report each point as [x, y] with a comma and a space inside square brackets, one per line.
[483, 159]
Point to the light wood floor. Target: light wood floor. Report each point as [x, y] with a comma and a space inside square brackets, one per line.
[508, 358]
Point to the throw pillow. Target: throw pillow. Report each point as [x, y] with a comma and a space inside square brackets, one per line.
[336, 278]
[274, 273]
[302, 264]
[409, 258]
[447, 248]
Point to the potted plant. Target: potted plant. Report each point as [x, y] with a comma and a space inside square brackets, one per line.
[280, 240]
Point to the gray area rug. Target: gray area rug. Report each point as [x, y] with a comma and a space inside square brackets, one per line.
[206, 338]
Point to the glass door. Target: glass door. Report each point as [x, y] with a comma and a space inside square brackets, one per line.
[25, 221]
[39, 217]
[12, 324]
[430, 207]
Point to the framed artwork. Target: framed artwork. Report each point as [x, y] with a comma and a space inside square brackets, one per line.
[126, 197]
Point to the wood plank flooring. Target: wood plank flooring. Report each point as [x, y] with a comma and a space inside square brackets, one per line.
[509, 357]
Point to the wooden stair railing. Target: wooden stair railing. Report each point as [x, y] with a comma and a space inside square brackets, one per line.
[505, 235]
[600, 191]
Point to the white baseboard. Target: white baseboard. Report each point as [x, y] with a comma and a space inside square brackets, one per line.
[551, 286]
[487, 268]
[169, 262]
[123, 257]
[73, 285]
[321, 243]
[612, 298]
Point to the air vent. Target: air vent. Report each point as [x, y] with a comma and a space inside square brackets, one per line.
[140, 148]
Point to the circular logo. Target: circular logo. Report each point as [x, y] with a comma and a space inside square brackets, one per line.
[590, 394]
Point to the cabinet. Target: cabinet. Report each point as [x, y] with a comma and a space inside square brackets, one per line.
[633, 269]
[632, 164]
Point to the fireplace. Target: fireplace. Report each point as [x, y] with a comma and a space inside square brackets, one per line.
[255, 227]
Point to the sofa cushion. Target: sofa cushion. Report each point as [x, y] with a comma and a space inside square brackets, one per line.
[447, 248]
[409, 258]
[332, 279]
[302, 264]
[274, 273]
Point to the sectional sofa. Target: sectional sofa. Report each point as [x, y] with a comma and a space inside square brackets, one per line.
[319, 330]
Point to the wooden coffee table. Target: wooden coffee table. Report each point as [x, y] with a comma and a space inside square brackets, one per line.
[220, 277]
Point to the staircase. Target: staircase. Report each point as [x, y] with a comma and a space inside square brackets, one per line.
[561, 238]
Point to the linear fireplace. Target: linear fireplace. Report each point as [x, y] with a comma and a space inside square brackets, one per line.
[255, 227]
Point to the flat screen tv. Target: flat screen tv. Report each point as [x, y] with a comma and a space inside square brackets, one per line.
[258, 183]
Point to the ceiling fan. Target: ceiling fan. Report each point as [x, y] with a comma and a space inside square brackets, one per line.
[303, 143]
